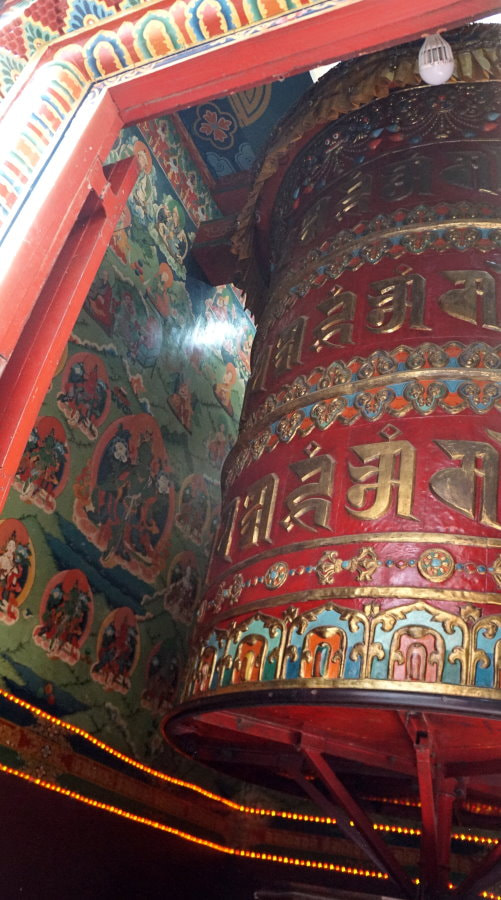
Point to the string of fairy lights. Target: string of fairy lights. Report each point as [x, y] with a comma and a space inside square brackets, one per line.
[264, 856]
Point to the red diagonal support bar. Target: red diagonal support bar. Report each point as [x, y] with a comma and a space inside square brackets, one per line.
[363, 824]
[338, 813]
[485, 875]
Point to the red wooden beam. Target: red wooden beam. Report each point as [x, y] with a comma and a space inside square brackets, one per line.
[363, 824]
[446, 796]
[29, 372]
[296, 44]
[337, 812]
[323, 743]
[429, 830]
[37, 236]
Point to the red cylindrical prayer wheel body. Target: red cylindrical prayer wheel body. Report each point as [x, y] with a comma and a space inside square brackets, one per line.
[358, 562]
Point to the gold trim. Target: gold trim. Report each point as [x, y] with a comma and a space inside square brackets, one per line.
[355, 387]
[288, 277]
[390, 591]
[392, 537]
[364, 684]
[355, 85]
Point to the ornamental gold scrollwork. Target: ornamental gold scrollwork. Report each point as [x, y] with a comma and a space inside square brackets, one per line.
[349, 250]
[422, 397]
[363, 565]
[415, 642]
[454, 360]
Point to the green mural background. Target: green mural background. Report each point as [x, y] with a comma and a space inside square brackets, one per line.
[105, 538]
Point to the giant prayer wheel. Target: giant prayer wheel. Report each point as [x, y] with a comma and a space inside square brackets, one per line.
[353, 602]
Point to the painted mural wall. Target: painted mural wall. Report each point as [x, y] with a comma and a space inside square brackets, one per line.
[105, 538]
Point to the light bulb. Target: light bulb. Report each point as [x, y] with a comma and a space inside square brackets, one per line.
[436, 60]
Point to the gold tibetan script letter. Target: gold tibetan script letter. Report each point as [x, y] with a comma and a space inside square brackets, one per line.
[259, 371]
[306, 499]
[395, 469]
[470, 286]
[410, 176]
[228, 519]
[356, 193]
[339, 308]
[392, 298]
[255, 524]
[288, 347]
[472, 487]
[470, 169]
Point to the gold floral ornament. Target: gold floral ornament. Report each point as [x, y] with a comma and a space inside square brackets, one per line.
[436, 564]
[328, 566]
[236, 588]
[364, 564]
[496, 571]
[276, 575]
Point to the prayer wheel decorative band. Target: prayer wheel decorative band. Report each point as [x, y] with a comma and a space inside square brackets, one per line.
[360, 543]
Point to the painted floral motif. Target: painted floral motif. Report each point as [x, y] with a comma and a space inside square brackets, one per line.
[211, 125]
[83, 13]
[37, 35]
[11, 67]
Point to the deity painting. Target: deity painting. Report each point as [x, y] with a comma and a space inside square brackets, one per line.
[181, 402]
[162, 678]
[17, 568]
[66, 613]
[143, 193]
[158, 289]
[183, 586]
[118, 648]
[194, 508]
[222, 390]
[126, 506]
[218, 446]
[220, 306]
[85, 395]
[244, 353]
[139, 329]
[44, 467]
[170, 227]
[102, 301]
[120, 238]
